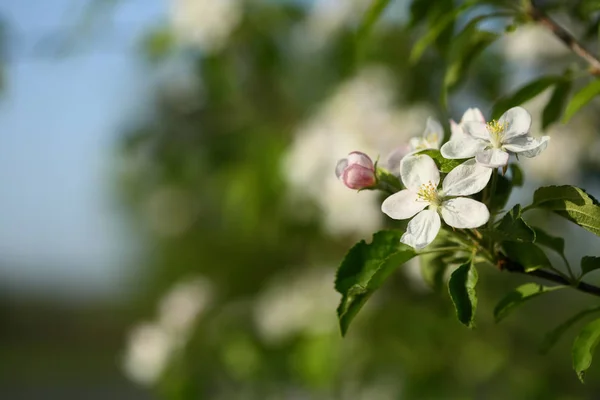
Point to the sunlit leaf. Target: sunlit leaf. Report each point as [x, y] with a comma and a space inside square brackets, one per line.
[571, 203]
[365, 268]
[584, 346]
[519, 296]
[581, 98]
[462, 291]
[444, 165]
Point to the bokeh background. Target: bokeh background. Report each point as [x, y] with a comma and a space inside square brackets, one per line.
[171, 221]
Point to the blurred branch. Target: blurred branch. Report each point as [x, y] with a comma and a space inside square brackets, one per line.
[567, 38]
[505, 264]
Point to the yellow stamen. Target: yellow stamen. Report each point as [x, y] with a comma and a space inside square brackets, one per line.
[496, 130]
[428, 192]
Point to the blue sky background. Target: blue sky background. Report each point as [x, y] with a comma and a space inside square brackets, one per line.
[59, 116]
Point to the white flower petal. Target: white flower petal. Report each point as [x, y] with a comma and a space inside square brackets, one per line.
[492, 158]
[473, 114]
[418, 169]
[417, 143]
[393, 161]
[422, 229]
[478, 130]
[527, 145]
[403, 205]
[434, 133]
[466, 179]
[517, 121]
[463, 146]
[456, 131]
[464, 213]
[340, 167]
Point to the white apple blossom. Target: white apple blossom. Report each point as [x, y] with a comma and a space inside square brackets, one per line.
[432, 138]
[421, 178]
[491, 143]
[471, 115]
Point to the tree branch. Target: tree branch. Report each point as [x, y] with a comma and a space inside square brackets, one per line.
[506, 264]
[567, 38]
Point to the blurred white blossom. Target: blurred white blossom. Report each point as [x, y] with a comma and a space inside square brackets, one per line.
[179, 308]
[360, 115]
[327, 17]
[151, 345]
[148, 350]
[205, 23]
[301, 303]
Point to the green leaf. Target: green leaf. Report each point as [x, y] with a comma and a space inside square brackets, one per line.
[557, 103]
[435, 31]
[516, 175]
[583, 347]
[465, 55]
[589, 6]
[374, 12]
[462, 291]
[527, 92]
[581, 98]
[552, 242]
[555, 334]
[444, 165]
[571, 203]
[365, 268]
[513, 228]
[518, 296]
[589, 264]
[530, 256]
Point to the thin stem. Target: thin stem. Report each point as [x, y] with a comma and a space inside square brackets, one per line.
[512, 266]
[563, 35]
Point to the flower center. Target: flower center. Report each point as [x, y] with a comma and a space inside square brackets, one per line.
[428, 193]
[496, 130]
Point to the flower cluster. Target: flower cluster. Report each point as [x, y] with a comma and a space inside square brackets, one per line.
[483, 147]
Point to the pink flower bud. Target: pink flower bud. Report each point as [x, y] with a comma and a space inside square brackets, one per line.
[356, 171]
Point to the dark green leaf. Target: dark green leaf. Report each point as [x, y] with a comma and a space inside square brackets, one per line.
[530, 256]
[583, 347]
[365, 268]
[552, 242]
[581, 98]
[465, 55]
[523, 94]
[589, 6]
[589, 264]
[513, 228]
[503, 190]
[516, 175]
[554, 335]
[557, 103]
[445, 165]
[518, 296]
[462, 291]
[571, 203]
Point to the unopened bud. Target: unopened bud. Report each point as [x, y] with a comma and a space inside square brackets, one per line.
[356, 171]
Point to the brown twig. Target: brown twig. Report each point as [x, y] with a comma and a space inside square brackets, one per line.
[567, 38]
[506, 264]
